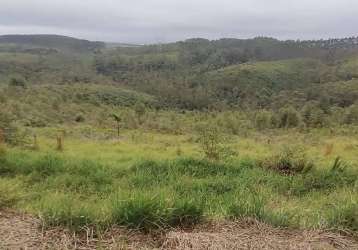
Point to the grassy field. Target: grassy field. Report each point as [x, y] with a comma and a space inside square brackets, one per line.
[149, 180]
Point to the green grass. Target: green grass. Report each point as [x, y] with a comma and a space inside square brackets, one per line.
[142, 183]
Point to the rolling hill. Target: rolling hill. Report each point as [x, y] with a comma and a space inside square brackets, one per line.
[61, 43]
[192, 74]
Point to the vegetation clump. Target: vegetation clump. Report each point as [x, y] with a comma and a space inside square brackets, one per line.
[145, 213]
[254, 207]
[212, 142]
[290, 160]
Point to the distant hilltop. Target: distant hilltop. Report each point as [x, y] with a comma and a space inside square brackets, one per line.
[57, 42]
[71, 44]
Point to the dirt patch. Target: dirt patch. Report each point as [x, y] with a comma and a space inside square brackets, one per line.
[255, 235]
[22, 231]
[18, 231]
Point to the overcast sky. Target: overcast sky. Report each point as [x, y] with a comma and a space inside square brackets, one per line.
[152, 21]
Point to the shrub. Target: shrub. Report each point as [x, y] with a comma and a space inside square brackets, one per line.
[289, 118]
[290, 160]
[211, 141]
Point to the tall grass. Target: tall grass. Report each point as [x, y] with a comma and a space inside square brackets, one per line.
[152, 194]
[10, 192]
[146, 212]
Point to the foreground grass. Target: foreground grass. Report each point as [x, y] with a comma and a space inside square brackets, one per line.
[161, 189]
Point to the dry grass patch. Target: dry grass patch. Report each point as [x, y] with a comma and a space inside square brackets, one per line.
[255, 235]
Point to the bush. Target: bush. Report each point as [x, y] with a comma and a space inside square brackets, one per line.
[291, 160]
[210, 140]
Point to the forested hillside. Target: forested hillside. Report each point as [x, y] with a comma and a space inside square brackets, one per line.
[298, 77]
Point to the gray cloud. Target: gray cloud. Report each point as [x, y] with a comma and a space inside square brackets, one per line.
[150, 21]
